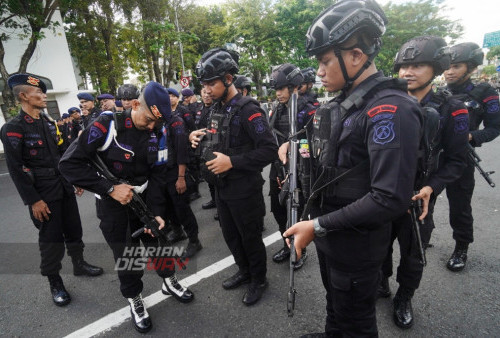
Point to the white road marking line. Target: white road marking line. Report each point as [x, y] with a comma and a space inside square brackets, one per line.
[118, 317]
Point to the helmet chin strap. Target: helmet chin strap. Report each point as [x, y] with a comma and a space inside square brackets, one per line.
[349, 81]
[422, 86]
[461, 80]
[226, 90]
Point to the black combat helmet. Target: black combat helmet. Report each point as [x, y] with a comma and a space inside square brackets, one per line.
[286, 75]
[242, 82]
[467, 52]
[216, 63]
[309, 75]
[128, 92]
[424, 49]
[336, 24]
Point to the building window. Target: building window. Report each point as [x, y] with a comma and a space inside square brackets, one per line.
[53, 109]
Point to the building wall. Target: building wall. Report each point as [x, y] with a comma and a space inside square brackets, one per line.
[52, 60]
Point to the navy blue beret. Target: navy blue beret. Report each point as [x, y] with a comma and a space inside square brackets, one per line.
[105, 96]
[65, 115]
[85, 96]
[187, 92]
[74, 110]
[157, 99]
[118, 103]
[173, 91]
[26, 79]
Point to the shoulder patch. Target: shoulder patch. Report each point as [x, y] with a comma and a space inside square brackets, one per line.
[489, 98]
[95, 133]
[253, 116]
[459, 112]
[461, 124]
[381, 109]
[100, 126]
[383, 132]
[14, 139]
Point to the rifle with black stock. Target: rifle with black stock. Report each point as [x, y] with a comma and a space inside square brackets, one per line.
[474, 157]
[293, 197]
[136, 204]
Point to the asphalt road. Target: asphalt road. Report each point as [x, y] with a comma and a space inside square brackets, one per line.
[447, 304]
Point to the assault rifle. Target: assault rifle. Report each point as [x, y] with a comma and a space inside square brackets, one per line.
[474, 157]
[293, 197]
[415, 212]
[136, 204]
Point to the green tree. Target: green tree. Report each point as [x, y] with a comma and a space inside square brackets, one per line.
[493, 54]
[408, 20]
[251, 26]
[28, 18]
[93, 35]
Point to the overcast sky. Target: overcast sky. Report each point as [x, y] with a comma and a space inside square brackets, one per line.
[477, 16]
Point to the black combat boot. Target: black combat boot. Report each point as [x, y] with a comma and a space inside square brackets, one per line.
[80, 267]
[171, 286]
[192, 248]
[459, 257]
[403, 312]
[301, 261]
[209, 205]
[60, 296]
[383, 290]
[139, 314]
[239, 278]
[254, 292]
[282, 255]
[176, 235]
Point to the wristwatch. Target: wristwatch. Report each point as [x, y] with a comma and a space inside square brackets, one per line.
[110, 190]
[319, 231]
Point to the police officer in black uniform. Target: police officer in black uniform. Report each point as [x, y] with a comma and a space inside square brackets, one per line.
[126, 94]
[239, 144]
[201, 121]
[87, 103]
[173, 183]
[483, 105]
[286, 80]
[243, 85]
[32, 151]
[128, 145]
[419, 61]
[305, 89]
[369, 134]
[76, 123]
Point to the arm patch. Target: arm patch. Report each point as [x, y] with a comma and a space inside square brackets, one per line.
[382, 108]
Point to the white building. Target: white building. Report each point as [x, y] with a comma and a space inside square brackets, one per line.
[51, 61]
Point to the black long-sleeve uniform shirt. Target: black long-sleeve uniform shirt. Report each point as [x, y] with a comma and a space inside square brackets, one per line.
[454, 127]
[32, 143]
[132, 157]
[487, 111]
[248, 128]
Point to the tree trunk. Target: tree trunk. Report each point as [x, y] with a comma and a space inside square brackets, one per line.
[7, 95]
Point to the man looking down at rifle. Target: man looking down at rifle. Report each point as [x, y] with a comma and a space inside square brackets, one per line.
[364, 144]
[482, 102]
[131, 149]
[445, 133]
[236, 146]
